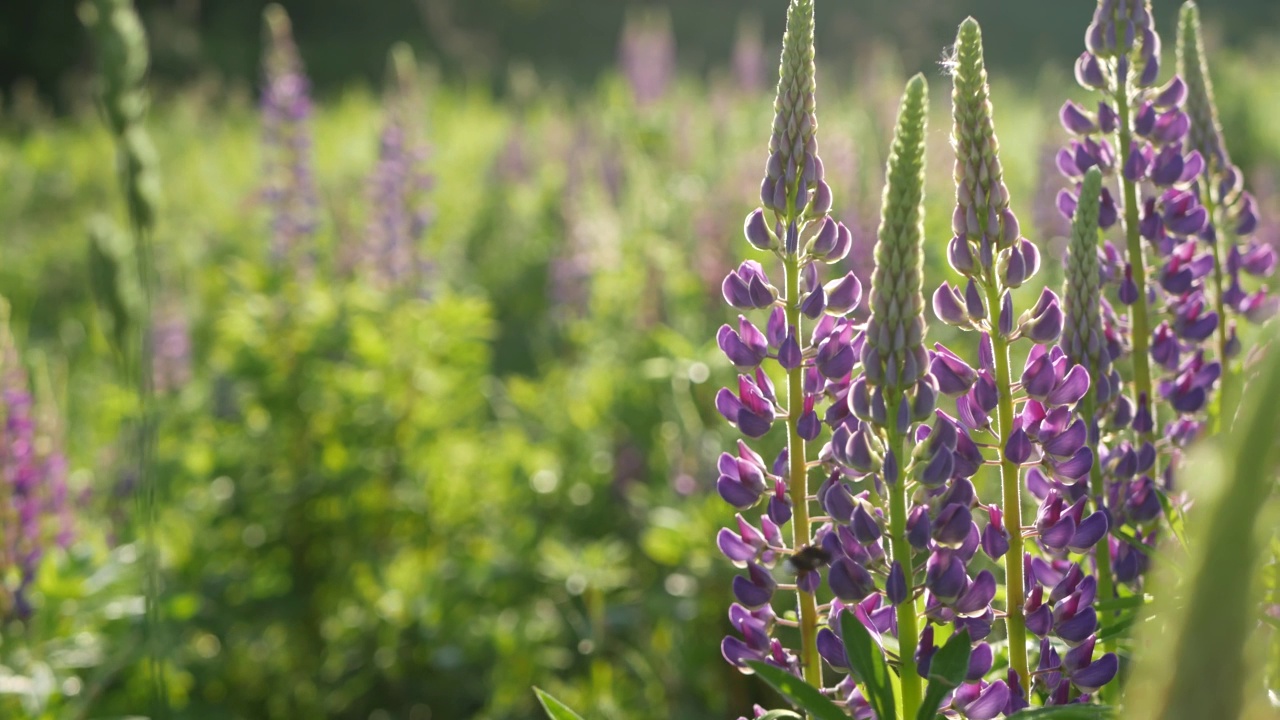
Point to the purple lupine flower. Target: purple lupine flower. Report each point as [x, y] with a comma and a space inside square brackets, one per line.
[1039, 434]
[748, 56]
[1160, 162]
[289, 179]
[34, 507]
[171, 349]
[399, 185]
[647, 55]
[1229, 230]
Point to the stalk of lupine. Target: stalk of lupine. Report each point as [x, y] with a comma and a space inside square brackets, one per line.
[1044, 434]
[121, 44]
[1122, 61]
[399, 184]
[34, 512]
[1084, 343]
[171, 349]
[893, 355]
[1232, 212]
[647, 54]
[289, 186]
[922, 538]
[748, 56]
[799, 200]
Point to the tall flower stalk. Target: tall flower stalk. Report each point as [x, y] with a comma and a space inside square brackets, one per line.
[989, 250]
[795, 195]
[1084, 342]
[893, 356]
[1232, 215]
[121, 46]
[290, 189]
[398, 188]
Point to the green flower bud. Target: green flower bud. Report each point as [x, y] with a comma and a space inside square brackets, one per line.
[1082, 329]
[793, 186]
[982, 215]
[1206, 131]
[894, 354]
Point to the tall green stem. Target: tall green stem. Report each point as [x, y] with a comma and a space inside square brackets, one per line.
[798, 484]
[908, 630]
[1140, 329]
[1224, 400]
[1015, 588]
[1102, 554]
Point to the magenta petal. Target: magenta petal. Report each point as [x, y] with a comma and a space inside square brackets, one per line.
[1098, 673]
[1089, 532]
[990, 703]
[737, 653]
[733, 546]
[978, 596]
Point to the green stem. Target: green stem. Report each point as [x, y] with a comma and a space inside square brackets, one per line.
[1224, 400]
[1140, 329]
[1015, 588]
[908, 631]
[1102, 554]
[798, 483]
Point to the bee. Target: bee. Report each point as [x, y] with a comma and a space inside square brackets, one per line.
[808, 559]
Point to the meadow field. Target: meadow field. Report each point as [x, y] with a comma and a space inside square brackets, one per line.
[413, 481]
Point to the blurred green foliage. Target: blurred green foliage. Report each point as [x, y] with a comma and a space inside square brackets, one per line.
[344, 41]
[376, 506]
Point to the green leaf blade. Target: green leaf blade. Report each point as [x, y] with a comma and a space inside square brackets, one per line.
[797, 691]
[946, 672]
[867, 660]
[555, 709]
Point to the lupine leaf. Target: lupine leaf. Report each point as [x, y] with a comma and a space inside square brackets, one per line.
[867, 660]
[800, 693]
[1067, 712]
[946, 672]
[779, 715]
[556, 710]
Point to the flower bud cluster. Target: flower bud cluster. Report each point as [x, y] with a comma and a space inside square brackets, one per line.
[398, 187]
[290, 186]
[1059, 608]
[793, 185]
[35, 514]
[1164, 166]
[1220, 186]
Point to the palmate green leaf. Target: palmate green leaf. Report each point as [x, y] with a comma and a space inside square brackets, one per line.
[556, 710]
[946, 672]
[802, 694]
[1067, 712]
[867, 660]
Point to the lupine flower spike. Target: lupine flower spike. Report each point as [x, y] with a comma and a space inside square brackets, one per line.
[795, 201]
[399, 185]
[1084, 343]
[1232, 216]
[1150, 157]
[1037, 431]
[290, 190]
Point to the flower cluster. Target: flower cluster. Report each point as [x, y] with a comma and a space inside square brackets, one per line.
[1157, 167]
[34, 511]
[399, 184]
[290, 186]
[647, 55]
[1232, 212]
[901, 537]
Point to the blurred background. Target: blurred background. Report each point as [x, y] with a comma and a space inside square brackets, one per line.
[434, 346]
